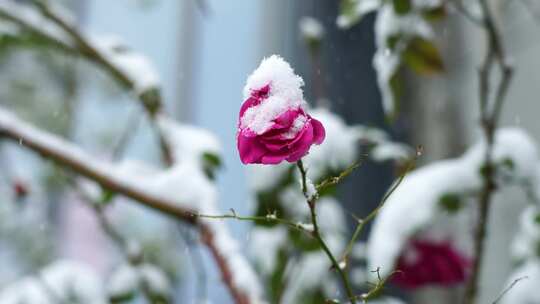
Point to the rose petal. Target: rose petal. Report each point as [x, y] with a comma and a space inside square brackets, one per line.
[251, 151]
[318, 131]
[302, 143]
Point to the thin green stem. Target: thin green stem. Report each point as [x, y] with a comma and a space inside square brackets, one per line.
[311, 200]
[269, 218]
[362, 222]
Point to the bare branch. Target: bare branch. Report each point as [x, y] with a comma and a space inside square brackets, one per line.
[490, 115]
[507, 289]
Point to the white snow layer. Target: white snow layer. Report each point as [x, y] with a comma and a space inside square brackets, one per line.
[362, 7]
[136, 66]
[285, 93]
[265, 242]
[386, 300]
[386, 61]
[311, 271]
[391, 151]
[339, 149]
[127, 279]
[189, 143]
[61, 280]
[35, 20]
[414, 204]
[388, 24]
[311, 28]
[526, 290]
[185, 184]
[527, 240]
[264, 178]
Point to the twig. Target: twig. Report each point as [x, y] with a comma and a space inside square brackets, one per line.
[35, 29]
[127, 133]
[489, 122]
[334, 180]
[458, 5]
[507, 289]
[362, 222]
[377, 287]
[197, 260]
[98, 209]
[311, 200]
[271, 218]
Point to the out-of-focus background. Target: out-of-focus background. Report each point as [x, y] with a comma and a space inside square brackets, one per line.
[203, 51]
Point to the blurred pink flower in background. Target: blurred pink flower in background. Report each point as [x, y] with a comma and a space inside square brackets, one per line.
[273, 125]
[425, 263]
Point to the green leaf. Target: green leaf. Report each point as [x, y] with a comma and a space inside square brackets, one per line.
[508, 163]
[396, 88]
[347, 11]
[450, 202]
[106, 196]
[211, 162]
[423, 57]
[434, 14]
[392, 41]
[348, 8]
[537, 218]
[402, 7]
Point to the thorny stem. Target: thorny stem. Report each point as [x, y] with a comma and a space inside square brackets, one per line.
[269, 218]
[489, 122]
[311, 201]
[334, 180]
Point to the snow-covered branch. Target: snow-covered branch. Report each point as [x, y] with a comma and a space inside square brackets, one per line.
[52, 25]
[233, 267]
[70, 156]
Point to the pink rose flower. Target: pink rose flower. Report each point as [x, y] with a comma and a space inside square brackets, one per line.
[273, 125]
[429, 263]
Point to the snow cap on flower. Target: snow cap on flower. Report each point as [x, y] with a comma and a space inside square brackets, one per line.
[276, 71]
[273, 124]
[275, 80]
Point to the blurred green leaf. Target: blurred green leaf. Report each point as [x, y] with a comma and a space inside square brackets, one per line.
[395, 86]
[508, 163]
[106, 196]
[402, 7]
[423, 57]
[211, 163]
[537, 218]
[450, 202]
[348, 11]
[435, 14]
